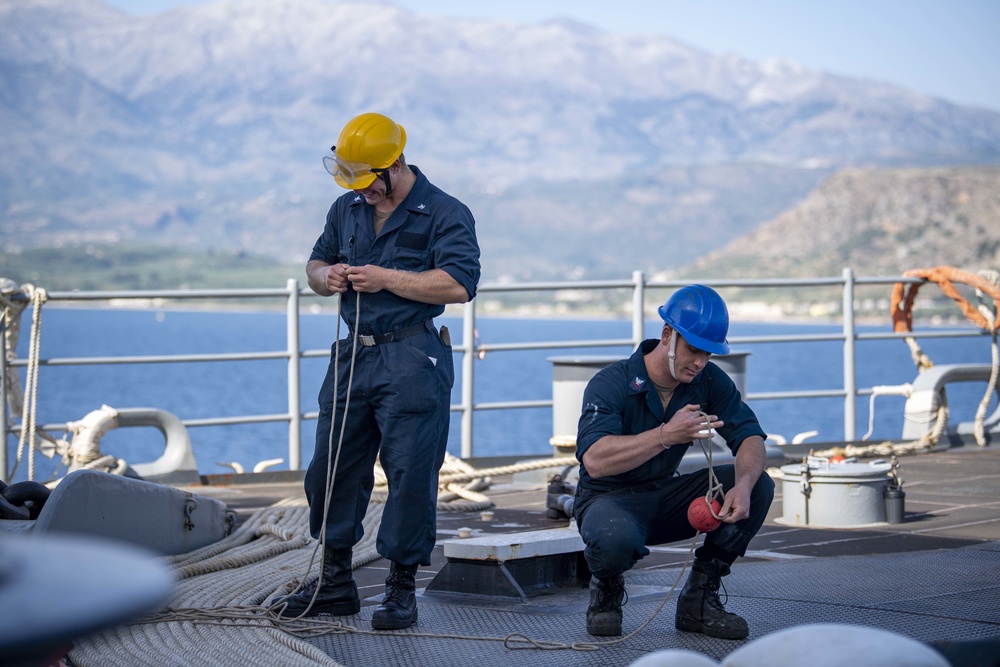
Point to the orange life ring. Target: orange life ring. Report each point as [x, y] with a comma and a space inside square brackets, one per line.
[903, 295]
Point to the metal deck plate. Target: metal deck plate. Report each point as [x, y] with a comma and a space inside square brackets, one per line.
[929, 596]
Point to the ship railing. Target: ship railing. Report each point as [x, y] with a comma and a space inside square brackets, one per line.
[470, 349]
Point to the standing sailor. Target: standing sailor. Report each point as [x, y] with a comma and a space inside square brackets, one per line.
[396, 249]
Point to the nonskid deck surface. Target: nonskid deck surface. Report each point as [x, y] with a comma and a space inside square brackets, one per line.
[933, 596]
[933, 578]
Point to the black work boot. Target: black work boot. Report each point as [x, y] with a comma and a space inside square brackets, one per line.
[699, 608]
[399, 606]
[604, 616]
[338, 593]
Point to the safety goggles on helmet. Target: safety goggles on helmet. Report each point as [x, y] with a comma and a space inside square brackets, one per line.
[351, 173]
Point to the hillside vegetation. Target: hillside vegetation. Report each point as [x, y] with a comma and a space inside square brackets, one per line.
[876, 221]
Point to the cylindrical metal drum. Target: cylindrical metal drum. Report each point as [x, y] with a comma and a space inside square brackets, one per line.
[834, 495]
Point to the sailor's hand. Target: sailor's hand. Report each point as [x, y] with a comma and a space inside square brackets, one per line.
[690, 423]
[336, 278]
[368, 278]
[736, 506]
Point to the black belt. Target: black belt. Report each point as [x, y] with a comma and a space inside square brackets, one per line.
[380, 339]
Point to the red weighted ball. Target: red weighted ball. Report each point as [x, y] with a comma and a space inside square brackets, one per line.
[701, 518]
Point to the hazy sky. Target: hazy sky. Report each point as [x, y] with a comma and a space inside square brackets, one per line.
[945, 48]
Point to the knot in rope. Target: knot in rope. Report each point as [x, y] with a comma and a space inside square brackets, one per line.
[715, 489]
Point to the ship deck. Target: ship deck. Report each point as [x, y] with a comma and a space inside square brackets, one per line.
[935, 578]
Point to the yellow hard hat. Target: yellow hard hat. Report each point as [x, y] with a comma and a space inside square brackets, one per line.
[368, 145]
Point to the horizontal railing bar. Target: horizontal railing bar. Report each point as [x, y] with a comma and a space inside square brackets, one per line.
[501, 347]
[890, 335]
[503, 405]
[785, 282]
[215, 421]
[225, 421]
[168, 294]
[789, 338]
[813, 393]
[772, 282]
[154, 359]
[555, 286]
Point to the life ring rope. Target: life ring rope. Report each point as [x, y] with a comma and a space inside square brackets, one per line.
[904, 294]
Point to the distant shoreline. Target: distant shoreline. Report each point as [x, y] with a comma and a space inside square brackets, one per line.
[956, 321]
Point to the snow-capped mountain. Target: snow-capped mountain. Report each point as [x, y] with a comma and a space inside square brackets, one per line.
[207, 124]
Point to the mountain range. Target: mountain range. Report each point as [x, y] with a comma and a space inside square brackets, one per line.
[583, 154]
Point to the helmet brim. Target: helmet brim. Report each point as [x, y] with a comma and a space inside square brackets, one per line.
[704, 344]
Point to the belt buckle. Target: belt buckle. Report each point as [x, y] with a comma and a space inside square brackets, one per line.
[366, 340]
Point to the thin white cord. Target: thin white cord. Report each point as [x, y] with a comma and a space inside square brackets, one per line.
[331, 470]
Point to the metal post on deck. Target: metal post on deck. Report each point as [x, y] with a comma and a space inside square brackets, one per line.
[850, 339]
[3, 397]
[638, 309]
[468, 365]
[294, 383]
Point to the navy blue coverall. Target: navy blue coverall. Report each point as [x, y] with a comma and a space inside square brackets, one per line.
[401, 391]
[619, 515]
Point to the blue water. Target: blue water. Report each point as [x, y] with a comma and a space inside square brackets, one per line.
[228, 389]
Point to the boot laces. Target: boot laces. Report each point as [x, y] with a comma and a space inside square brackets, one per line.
[713, 586]
[395, 587]
[612, 597]
[307, 589]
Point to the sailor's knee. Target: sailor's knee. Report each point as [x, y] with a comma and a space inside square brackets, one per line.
[610, 547]
[764, 488]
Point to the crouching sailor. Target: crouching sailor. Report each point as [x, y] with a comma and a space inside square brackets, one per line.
[639, 417]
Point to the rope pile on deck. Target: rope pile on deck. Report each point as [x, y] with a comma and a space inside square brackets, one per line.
[218, 613]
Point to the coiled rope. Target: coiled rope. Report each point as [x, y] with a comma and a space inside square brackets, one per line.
[218, 612]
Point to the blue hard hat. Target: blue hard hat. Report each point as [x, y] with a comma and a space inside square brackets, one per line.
[699, 315]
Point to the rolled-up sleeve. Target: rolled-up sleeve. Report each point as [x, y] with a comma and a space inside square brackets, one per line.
[456, 250]
[603, 409]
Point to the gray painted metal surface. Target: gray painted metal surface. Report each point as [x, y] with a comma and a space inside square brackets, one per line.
[928, 596]
[922, 404]
[162, 519]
